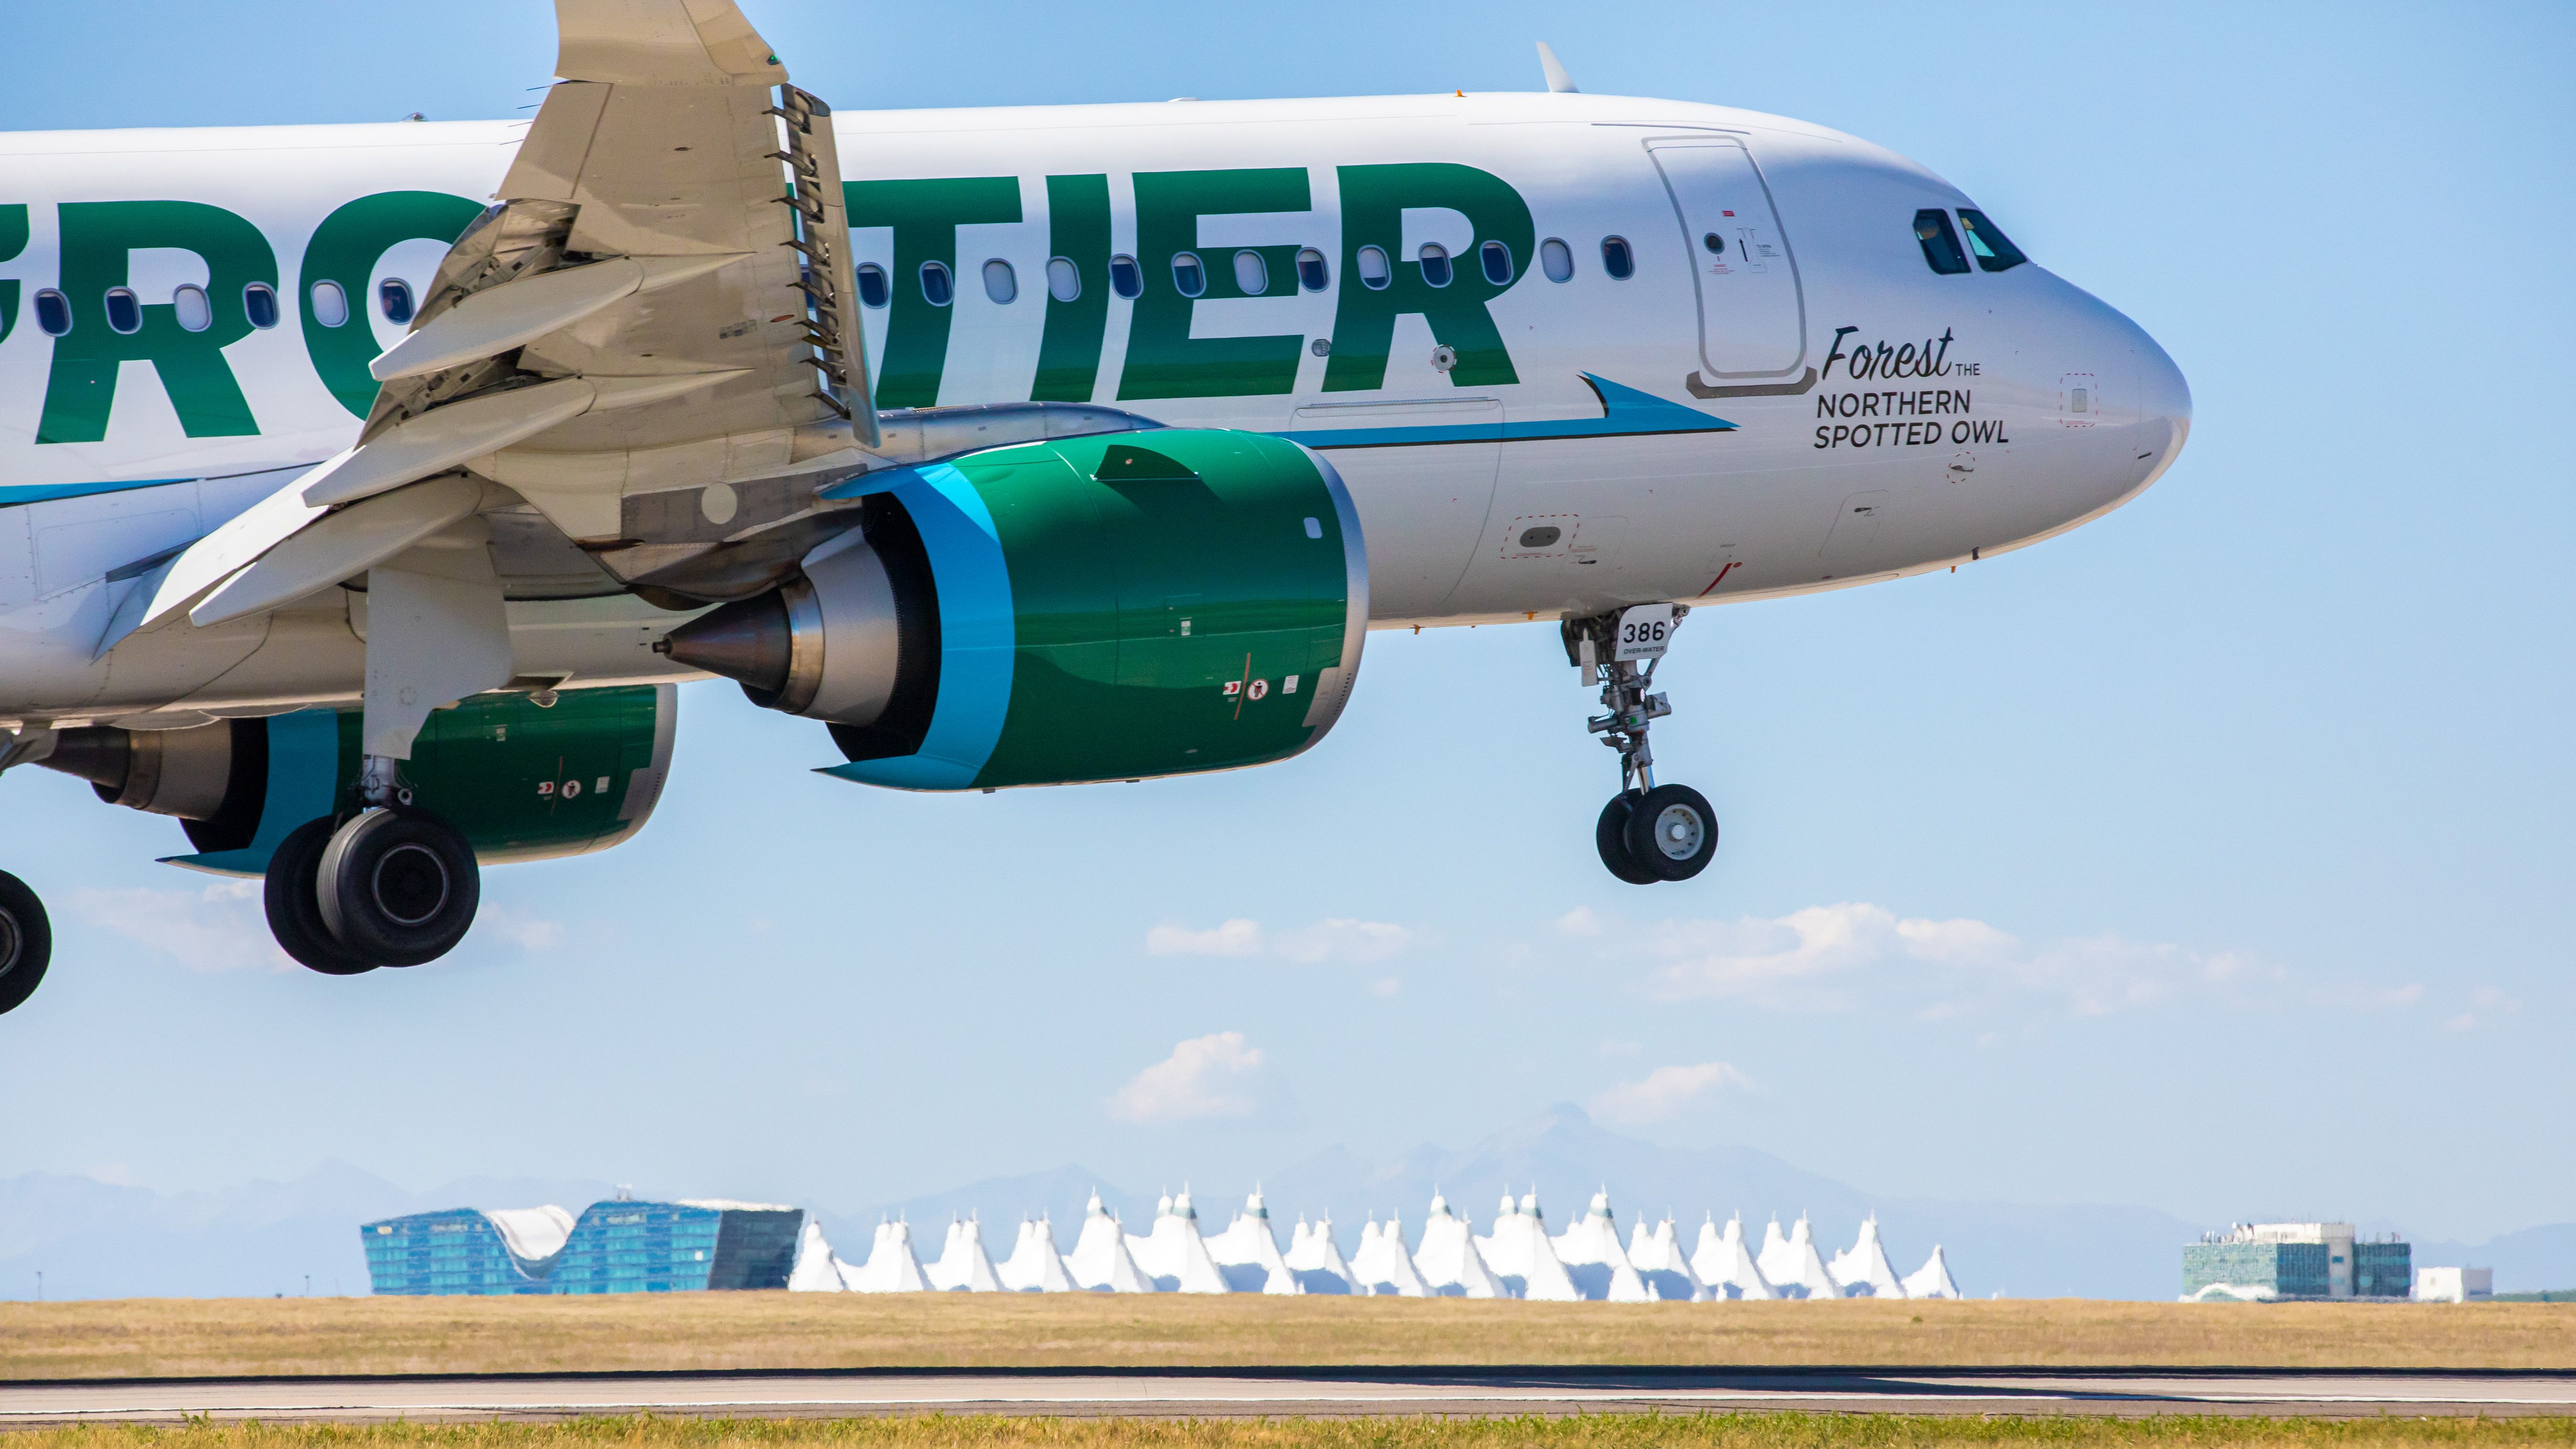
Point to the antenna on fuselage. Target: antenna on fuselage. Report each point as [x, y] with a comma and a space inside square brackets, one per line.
[1558, 82]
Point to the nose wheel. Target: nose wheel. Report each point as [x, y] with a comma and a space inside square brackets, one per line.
[1648, 832]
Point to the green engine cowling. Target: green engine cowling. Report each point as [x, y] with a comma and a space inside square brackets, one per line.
[521, 780]
[1101, 608]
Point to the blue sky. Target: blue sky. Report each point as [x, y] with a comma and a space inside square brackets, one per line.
[2208, 858]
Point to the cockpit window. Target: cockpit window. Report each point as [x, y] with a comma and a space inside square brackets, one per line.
[1995, 251]
[1940, 243]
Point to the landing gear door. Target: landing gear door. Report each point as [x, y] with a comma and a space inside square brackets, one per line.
[1752, 317]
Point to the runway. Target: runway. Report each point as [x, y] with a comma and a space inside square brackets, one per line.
[1284, 1392]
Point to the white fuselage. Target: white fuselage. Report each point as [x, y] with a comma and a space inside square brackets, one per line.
[1988, 408]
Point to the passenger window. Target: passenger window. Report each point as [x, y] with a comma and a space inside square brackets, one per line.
[1126, 278]
[394, 296]
[1497, 260]
[1251, 273]
[1189, 278]
[1312, 274]
[1001, 283]
[259, 303]
[1064, 279]
[1995, 252]
[873, 291]
[53, 313]
[1375, 273]
[1940, 243]
[1713, 243]
[1616, 259]
[1556, 259]
[330, 304]
[190, 306]
[1435, 264]
[124, 311]
[938, 285]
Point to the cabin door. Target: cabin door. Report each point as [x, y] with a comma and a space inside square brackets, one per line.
[1752, 320]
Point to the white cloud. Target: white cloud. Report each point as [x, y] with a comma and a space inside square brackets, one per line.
[1840, 956]
[1343, 939]
[218, 927]
[1237, 937]
[223, 926]
[1581, 921]
[1208, 1078]
[1385, 986]
[529, 933]
[1665, 1091]
[1336, 938]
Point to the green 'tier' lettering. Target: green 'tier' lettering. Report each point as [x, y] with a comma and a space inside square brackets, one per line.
[1374, 199]
[96, 238]
[1163, 359]
[345, 250]
[925, 216]
[1077, 232]
[13, 240]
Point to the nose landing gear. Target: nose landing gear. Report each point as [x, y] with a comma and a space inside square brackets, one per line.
[1648, 832]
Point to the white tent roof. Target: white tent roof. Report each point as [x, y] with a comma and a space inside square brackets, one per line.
[532, 1234]
[1317, 1260]
[1383, 1266]
[1100, 1258]
[1034, 1265]
[816, 1270]
[1593, 1243]
[963, 1264]
[1792, 1264]
[1519, 1249]
[1174, 1251]
[1448, 1259]
[1933, 1279]
[892, 1266]
[1863, 1269]
[1723, 1263]
[1656, 1254]
[1251, 1250]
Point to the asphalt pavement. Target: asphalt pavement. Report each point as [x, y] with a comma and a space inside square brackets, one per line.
[1336, 1392]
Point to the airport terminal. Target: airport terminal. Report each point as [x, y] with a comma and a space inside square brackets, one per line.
[623, 1246]
[619, 1246]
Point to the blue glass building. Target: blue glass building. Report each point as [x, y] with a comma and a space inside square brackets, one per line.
[614, 1247]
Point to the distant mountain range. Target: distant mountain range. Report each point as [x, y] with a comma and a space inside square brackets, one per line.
[100, 1240]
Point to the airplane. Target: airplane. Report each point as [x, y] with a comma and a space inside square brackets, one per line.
[366, 490]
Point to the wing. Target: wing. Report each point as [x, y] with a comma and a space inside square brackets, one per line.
[652, 337]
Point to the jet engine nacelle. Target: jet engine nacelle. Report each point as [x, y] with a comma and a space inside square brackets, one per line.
[521, 780]
[1101, 608]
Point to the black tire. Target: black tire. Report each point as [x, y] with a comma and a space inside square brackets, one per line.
[295, 908]
[1672, 834]
[399, 886]
[26, 943]
[1610, 837]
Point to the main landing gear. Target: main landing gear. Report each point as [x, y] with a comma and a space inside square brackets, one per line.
[26, 943]
[388, 885]
[1648, 832]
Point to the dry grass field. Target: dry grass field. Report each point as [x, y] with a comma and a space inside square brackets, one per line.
[1716, 1431]
[698, 1331]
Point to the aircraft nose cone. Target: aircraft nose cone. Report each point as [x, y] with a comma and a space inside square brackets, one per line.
[2162, 392]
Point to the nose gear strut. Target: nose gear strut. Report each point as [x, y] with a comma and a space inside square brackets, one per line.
[1648, 832]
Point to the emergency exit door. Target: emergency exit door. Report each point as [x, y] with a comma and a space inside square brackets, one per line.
[1752, 321]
